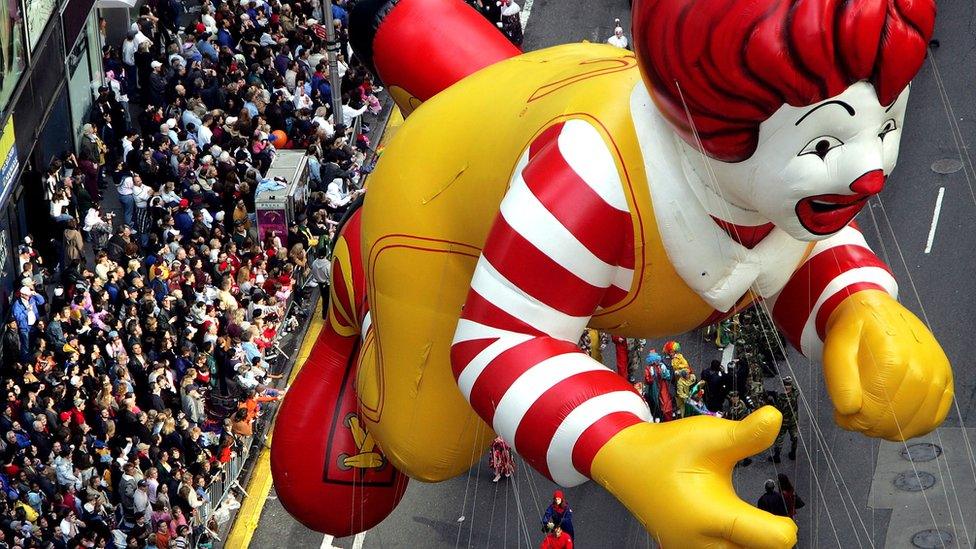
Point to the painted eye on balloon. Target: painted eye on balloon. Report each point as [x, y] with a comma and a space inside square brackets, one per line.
[889, 126]
[821, 145]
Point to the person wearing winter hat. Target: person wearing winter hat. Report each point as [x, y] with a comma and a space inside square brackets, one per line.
[560, 514]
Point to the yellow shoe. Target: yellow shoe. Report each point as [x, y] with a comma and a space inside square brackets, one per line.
[687, 464]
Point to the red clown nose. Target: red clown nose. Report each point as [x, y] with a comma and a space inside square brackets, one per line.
[869, 183]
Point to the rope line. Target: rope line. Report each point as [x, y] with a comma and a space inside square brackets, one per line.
[725, 203]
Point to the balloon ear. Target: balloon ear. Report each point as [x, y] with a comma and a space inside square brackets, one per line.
[322, 453]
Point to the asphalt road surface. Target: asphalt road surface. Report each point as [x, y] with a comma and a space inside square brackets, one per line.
[837, 473]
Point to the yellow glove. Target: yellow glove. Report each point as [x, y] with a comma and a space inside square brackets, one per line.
[886, 373]
[661, 470]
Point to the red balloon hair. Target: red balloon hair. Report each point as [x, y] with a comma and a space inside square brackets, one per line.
[735, 62]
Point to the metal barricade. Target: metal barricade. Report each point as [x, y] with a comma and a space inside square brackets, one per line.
[220, 487]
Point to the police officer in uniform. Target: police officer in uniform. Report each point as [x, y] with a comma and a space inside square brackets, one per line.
[737, 410]
[756, 396]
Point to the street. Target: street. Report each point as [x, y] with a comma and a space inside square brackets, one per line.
[859, 492]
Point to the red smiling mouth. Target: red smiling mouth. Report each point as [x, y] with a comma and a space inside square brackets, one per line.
[825, 214]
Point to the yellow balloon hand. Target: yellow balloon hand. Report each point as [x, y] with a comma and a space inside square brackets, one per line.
[887, 375]
[661, 470]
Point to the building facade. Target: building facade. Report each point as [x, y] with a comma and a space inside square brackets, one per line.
[50, 60]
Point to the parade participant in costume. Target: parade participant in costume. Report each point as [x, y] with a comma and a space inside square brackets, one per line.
[695, 404]
[641, 389]
[585, 344]
[620, 356]
[724, 334]
[558, 514]
[659, 390]
[500, 459]
[685, 380]
[635, 349]
[679, 362]
[786, 404]
[597, 343]
[671, 348]
[497, 230]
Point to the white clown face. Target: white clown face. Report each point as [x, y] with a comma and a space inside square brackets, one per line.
[815, 167]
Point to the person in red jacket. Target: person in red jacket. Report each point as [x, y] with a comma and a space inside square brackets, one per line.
[557, 539]
[623, 366]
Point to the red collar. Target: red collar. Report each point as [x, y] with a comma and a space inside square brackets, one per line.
[746, 235]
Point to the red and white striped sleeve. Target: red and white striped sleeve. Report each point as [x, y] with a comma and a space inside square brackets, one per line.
[550, 260]
[838, 267]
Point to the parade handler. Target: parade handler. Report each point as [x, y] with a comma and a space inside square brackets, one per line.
[645, 194]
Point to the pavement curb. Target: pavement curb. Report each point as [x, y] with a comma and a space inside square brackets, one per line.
[259, 485]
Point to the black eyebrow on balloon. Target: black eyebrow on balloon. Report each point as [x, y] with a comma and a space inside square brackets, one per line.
[848, 108]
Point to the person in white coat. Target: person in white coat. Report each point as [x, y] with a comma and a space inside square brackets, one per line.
[618, 39]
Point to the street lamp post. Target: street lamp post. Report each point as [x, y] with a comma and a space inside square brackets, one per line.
[332, 48]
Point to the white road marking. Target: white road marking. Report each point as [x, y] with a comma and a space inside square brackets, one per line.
[935, 220]
[525, 13]
[357, 542]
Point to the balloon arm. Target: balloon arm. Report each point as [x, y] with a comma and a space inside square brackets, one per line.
[533, 292]
[885, 372]
[835, 269]
[692, 460]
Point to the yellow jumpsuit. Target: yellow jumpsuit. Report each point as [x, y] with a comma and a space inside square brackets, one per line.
[431, 202]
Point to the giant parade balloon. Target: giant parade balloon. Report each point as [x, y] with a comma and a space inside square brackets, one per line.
[529, 197]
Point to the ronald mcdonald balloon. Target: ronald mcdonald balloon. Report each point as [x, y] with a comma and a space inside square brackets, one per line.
[529, 197]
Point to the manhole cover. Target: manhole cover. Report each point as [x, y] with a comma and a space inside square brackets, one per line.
[911, 481]
[931, 539]
[923, 451]
[946, 165]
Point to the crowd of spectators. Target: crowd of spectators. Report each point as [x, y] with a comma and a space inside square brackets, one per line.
[142, 342]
